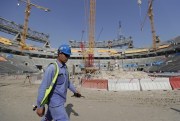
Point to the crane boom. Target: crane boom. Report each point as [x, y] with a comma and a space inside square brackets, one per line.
[39, 7]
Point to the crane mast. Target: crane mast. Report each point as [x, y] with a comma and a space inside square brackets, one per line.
[91, 32]
[151, 17]
[26, 20]
[24, 32]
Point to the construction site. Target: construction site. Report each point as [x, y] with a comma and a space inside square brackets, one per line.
[118, 80]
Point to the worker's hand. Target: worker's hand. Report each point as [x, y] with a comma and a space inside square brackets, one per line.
[40, 111]
[77, 94]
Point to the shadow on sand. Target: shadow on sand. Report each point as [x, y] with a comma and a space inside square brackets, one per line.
[70, 110]
[175, 110]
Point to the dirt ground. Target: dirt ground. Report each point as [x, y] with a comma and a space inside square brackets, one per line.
[16, 100]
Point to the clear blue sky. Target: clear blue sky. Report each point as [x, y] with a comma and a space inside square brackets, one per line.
[67, 19]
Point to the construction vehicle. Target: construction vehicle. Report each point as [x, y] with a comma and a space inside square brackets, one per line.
[25, 27]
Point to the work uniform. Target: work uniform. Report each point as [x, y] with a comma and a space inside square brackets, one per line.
[57, 97]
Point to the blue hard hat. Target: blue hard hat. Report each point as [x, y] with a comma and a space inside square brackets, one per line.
[66, 49]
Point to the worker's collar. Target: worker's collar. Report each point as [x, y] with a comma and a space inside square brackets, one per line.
[61, 65]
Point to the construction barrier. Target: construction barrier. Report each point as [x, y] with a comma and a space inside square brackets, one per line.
[95, 83]
[155, 84]
[112, 84]
[175, 82]
[123, 85]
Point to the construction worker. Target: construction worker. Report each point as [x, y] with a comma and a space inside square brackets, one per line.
[57, 96]
[28, 76]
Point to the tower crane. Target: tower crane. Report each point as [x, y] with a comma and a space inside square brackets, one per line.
[151, 18]
[27, 14]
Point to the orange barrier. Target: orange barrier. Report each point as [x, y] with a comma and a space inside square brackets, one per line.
[95, 83]
[175, 82]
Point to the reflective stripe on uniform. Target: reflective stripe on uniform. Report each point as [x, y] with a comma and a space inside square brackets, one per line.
[48, 90]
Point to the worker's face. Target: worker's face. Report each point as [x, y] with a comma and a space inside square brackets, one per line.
[63, 58]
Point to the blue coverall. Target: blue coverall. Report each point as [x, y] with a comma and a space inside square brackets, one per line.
[57, 99]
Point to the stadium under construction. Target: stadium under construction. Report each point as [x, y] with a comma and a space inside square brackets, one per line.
[103, 79]
[90, 60]
[108, 54]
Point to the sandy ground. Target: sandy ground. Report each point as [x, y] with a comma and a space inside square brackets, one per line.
[16, 100]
